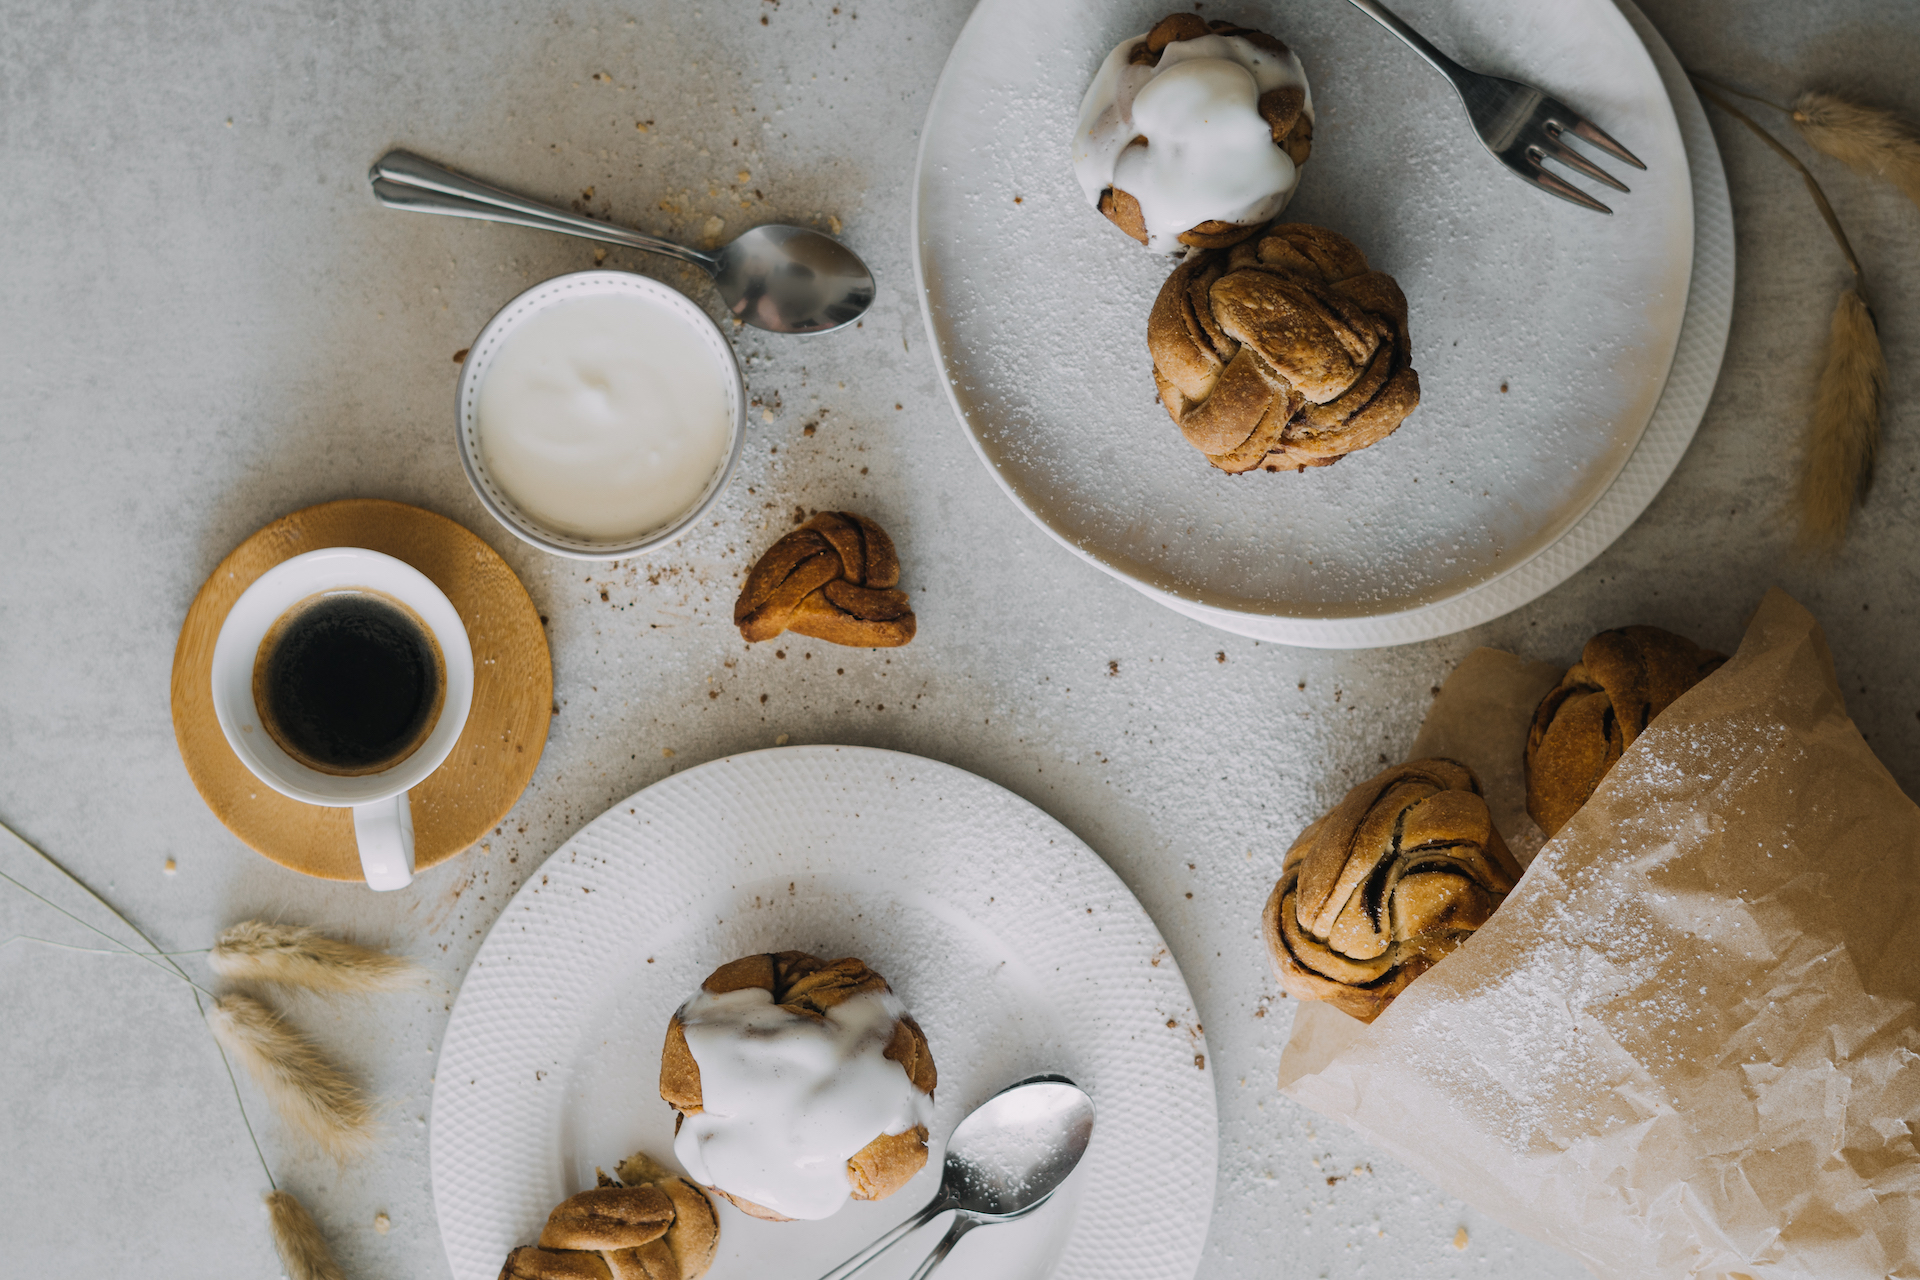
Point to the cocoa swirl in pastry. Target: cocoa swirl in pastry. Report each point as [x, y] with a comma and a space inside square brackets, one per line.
[834, 578]
[1606, 700]
[808, 987]
[1282, 352]
[1384, 885]
[1236, 129]
[654, 1226]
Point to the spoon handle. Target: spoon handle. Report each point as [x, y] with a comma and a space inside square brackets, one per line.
[402, 180]
[962, 1224]
[939, 1206]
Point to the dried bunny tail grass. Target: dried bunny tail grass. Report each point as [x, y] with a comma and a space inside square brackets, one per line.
[1877, 143]
[303, 1251]
[1846, 425]
[312, 1095]
[297, 956]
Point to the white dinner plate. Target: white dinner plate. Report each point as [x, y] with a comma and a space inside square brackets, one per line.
[1565, 357]
[1014, 945]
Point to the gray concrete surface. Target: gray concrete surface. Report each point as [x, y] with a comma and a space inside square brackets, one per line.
[205, 322]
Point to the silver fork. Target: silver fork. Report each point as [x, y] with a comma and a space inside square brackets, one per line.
[1521, 125]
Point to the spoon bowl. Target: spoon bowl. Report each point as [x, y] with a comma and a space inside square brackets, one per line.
[792, 280]
[1005, 1160]
[1016, 1148]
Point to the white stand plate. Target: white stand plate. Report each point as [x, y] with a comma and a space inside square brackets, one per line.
[1014, 945]
[1605, 333]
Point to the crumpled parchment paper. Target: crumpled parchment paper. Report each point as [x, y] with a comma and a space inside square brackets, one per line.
[1688, 1043]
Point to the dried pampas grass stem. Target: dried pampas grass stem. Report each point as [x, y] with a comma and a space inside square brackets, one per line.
[294, 955]
[310, 1093]
[1846, 425]
[303, 1250]
[1845, 432]
[1874, 142]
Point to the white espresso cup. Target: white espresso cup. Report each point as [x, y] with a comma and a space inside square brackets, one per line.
[382, 814]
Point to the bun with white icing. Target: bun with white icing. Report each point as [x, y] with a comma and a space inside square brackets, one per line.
[1194, 134]
[800, 1083]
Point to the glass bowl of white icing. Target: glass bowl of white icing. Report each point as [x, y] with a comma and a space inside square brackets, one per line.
[600, 414]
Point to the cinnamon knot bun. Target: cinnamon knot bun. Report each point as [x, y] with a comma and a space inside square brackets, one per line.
[1383, 886]
[835, 578]
[1282, 352]
[1607, 699]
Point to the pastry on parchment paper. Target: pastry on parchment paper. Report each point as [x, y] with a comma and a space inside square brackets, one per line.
[1607, 699]
[1384, 885]
[1283, 352]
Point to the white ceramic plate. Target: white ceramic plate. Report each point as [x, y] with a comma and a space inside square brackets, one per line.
[1485, 498]
[1014, 945]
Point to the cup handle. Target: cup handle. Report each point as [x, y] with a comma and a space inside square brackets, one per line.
[384, 832]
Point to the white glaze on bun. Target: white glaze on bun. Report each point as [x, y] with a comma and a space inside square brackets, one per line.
[1209, 155]
[787, 1099]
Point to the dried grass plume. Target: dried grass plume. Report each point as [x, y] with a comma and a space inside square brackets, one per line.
[1845, 433]
[311, 1094]
[1874, 142]
[303, 1251]
[296, 956]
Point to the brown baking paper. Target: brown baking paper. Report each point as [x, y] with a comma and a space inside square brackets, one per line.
[1687, 1043]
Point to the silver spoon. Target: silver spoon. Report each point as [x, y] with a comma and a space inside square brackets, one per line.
[779, 278]
[1003, 1161]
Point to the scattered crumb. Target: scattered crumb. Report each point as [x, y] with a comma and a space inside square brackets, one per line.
[1220, 656]
[666, 752]
[382, 1223]
[781, 741]
[833, 224]
[170, 866]
[1019, 200]
[460, 356]
[1460, 1236]
[1503, 391]
[1200, 1061]
[742, 176]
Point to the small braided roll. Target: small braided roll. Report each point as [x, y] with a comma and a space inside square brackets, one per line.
[1283, 352]
[656, 1226]
[1383, 886]
[834, 578]
[1606, 700]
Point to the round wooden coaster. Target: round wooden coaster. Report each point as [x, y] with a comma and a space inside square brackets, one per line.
[495, 757]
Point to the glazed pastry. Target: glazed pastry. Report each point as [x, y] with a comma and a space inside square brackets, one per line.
[800, 1084]
[1283, 352]
[1194, 133]
[1623, 680]
[835, 578]
[654, 1225]
[1383, 886]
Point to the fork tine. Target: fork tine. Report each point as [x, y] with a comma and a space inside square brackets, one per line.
[1598, 137]
[1565, 190]
[1557, 150]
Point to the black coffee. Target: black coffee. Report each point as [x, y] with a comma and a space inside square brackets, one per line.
[349, 682]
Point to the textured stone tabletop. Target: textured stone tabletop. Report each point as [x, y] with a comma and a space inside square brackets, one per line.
[206, 322]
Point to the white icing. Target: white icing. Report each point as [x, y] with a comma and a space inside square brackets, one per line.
[1209, 155]
[604, 417]
[786, 1098]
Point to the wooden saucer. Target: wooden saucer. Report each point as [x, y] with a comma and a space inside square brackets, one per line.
[495, 757]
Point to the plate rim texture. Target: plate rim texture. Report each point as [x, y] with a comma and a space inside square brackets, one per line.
[1124, 1009]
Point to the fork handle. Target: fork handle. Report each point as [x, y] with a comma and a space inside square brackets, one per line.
[1412, 39]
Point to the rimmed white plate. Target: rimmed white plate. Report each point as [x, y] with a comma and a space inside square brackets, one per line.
[1015, 946]
[1605, 333]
